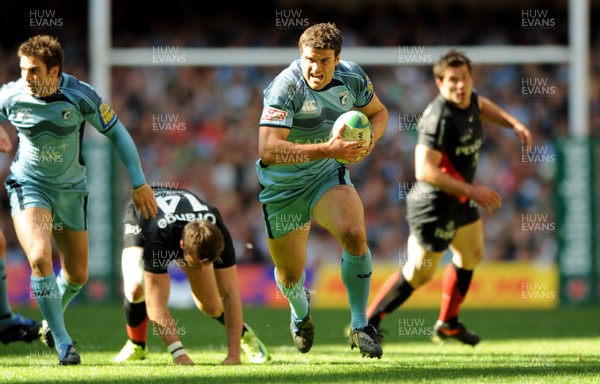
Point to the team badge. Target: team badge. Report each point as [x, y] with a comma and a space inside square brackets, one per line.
[67, 113]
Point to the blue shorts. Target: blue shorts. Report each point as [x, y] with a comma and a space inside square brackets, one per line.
[285, 210]
[67, 205]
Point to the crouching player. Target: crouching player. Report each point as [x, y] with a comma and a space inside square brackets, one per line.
[191, 234]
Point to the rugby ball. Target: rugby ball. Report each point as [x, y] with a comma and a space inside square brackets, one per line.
[358, 128]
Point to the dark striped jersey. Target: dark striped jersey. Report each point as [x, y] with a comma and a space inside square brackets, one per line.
[160, 236]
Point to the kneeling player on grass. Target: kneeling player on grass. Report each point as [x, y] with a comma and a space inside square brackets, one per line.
[442, 207]
[189, 233]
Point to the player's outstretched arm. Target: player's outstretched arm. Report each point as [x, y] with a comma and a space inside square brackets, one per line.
[157, 290]
[227, 282]
[494, 114]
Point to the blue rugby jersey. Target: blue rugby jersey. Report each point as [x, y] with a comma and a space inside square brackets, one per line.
[309, 114]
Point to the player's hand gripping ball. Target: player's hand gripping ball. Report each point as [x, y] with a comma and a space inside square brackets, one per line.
[357, 128]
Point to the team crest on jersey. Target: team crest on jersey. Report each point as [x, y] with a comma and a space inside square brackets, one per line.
[67, 113]
[273, 115]
[344, 98]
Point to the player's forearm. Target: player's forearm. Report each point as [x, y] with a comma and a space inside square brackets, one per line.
[284, 152]
[233, 323]
[379, 123]
[494, 114]
[444, 182]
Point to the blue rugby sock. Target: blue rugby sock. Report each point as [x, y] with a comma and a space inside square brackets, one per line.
[6, 318]
[49, 300]
[356, 275]
[68, 291]
[296, 296]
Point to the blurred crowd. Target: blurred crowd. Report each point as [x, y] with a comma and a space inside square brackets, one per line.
[197, 127]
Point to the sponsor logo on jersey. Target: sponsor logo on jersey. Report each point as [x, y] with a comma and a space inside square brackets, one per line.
[188, 216]
[132, 229]
[445, 233]
[309, 106]
[468, 149]
[23, 114]
[106, 113]
[273, 115]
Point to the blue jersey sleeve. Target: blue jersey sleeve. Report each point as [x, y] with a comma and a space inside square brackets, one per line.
[283, 98]
[127, 152]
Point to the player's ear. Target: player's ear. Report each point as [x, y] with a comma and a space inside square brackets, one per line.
[181, 243]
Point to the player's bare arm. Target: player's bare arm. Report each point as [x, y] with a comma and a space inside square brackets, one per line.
[494, 114]
[378, 116]
[427, 162]
[274, 149]
[157, 290]
[144, 200]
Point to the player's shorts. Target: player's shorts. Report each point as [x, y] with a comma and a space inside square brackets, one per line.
[287, 209]
[68, 206]
[434, 221]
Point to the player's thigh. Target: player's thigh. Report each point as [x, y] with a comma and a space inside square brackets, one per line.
[204, 290]
[467, 245]
[421, 263]
[340, 211]
[33, 227]
[289, 254]
[73, 249]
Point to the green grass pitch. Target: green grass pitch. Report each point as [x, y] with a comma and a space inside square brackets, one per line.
[556, 346]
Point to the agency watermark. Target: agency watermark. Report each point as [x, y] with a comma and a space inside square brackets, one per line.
[165, 185]
[414, 327]
[537, 291]
[42, 358]
[537, 19]
[537, 154]
[165, 259]
[45, 19]
[168, 54]
[285, 154]
[416, 191]
[290, 19]
[414, 54]
[537, 87]
[167, 122]
[536, 360]
[537, 223]
[168, 327]
[287, 222]
[409, 122]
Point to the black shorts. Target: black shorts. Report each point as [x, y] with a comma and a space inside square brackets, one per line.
[433, 222]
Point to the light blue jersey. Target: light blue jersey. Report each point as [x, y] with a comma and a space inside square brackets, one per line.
[50, 132]
[290, 191]
[309, 114]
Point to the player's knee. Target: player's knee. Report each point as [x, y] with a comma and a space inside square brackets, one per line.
[212, 309]
[353, 237]
[135, 294]
[79, 279]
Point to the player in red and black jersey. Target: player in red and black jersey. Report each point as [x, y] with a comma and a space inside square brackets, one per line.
[442, 208]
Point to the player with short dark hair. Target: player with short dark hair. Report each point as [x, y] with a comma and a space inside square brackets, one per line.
[47, 183]
[189, 234]
[302, 181]
[442, 208]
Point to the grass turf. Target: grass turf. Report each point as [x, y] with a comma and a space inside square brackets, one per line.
[557, 346]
